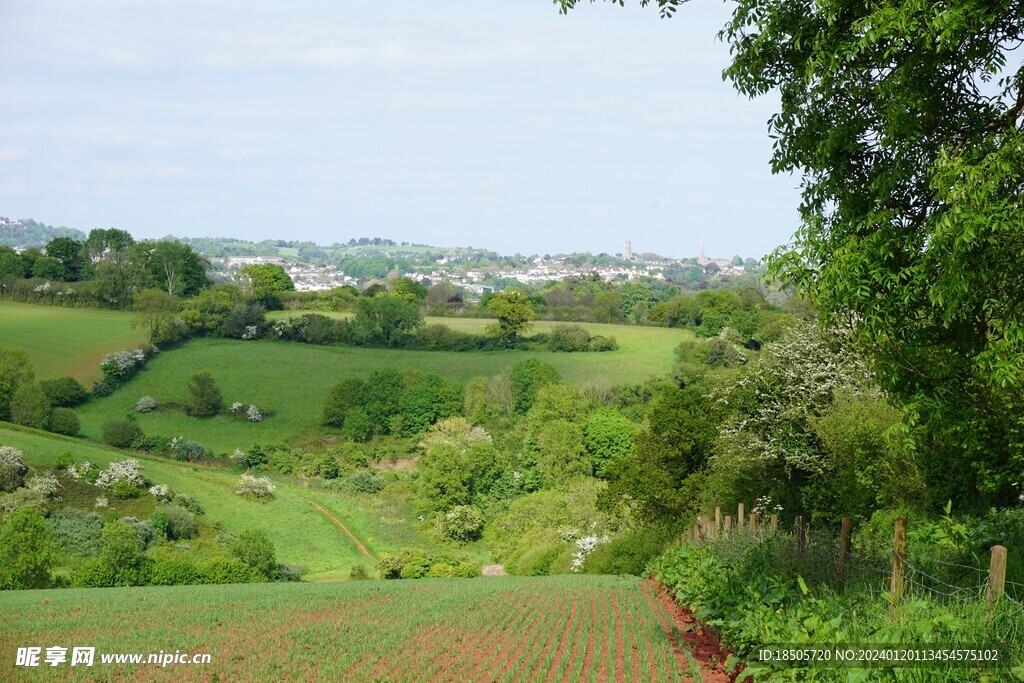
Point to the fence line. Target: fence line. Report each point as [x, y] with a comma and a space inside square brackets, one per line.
[837, 561]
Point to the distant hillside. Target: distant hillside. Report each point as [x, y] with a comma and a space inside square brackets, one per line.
[26, 232]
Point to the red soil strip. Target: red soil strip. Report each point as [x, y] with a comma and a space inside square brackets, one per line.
[561, 651]
[682, 661]
[551, 635]
[620, 645]
[595, 624]
[696, 636]
[602, 662]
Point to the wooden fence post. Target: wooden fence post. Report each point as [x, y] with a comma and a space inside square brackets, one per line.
[899, 551]
[845, 535]
[718, 520]
[753, 522]
[800, 536]
[996, 578]
[728, 523]
[775, 522]
[740, 516]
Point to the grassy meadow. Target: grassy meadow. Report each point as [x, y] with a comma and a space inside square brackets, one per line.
[67, 341]
[503, 629]
[291, 380]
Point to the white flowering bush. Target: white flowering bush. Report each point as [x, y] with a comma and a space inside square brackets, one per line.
[127, 471]
[236, 406]
[78, 470]
[45, 483]
[102, 502]
[253, 414]
[9, 455]
[238, 457]
[161, 492]
[763, 506]
[251, 332]
[117, 367]
[145, 404]
[256, 487]
[584, 546]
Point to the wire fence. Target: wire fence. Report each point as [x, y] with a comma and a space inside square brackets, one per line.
[825, 556]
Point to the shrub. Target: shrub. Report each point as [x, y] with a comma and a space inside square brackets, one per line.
[189, 503]
[255, 548]
[440, 570]
[30, 407]
[122, 434]
[101, 389]
[65, 392]
[161, 493]
[569, 338]
[389, 566]
[146, 404]
[64, 421]
[119, 367]
[187, 451]
[172, 570]
[145, 530]
[11, 478]
[364, 482]
[358, 573]
[463, 523]
[467, 570]
[256, 487]
[127, 471]
[227, 570]
[77, 532]
[601, 344]
[124, 490]
[45, 483]
[415, 564]
[24, 498]
[9, 455]
[204, 399]
[26, 551]
[328, 467]
[181, 525]
[629, 553]
[357, 425]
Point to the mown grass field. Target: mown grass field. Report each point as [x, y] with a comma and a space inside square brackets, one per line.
[66, 341]
[292, 380]
[301, 533]
[568, 628]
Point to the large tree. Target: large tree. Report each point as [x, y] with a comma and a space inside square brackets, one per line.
[904, 119]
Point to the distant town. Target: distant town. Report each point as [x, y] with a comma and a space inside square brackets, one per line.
[360, 262]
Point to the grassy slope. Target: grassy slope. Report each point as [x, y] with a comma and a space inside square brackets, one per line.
[66, 341]
[301, 534]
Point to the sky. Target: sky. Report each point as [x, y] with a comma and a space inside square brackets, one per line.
[497, 125]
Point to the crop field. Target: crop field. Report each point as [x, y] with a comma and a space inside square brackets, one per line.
[301, 532]
[292, 380]
[66, 341]
[568, 628]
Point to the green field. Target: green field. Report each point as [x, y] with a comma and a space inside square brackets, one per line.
[292, 380]
[568, 628]
[66, 341]
[301, 533]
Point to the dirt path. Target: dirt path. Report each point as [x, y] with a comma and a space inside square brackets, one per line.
[338, 523]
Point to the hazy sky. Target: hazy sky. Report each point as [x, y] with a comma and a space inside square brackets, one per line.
[501, 125]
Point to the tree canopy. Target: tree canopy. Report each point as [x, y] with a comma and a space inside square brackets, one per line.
[904, 119]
